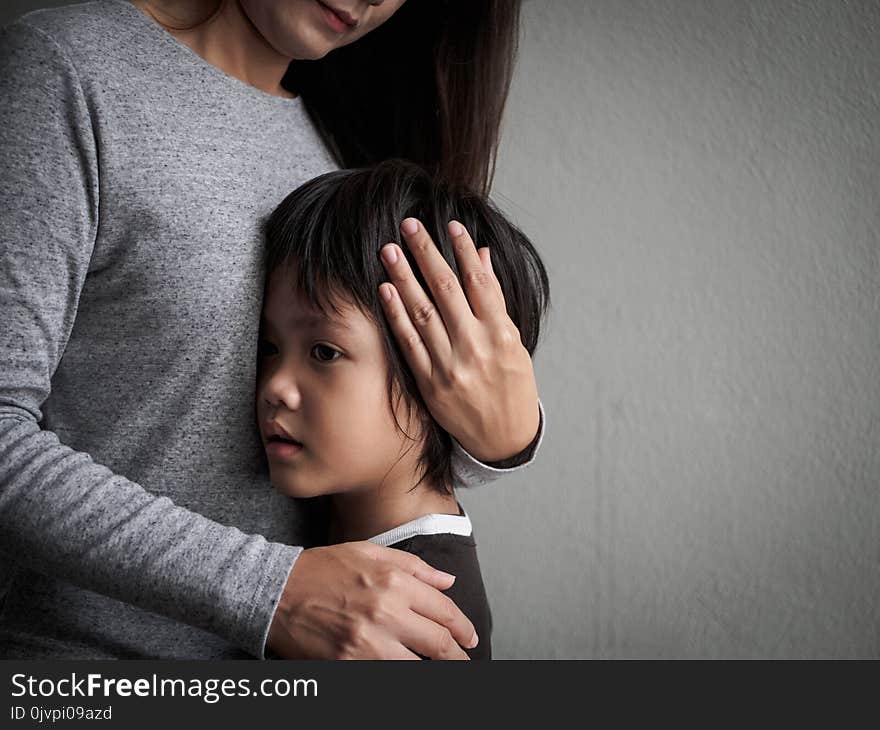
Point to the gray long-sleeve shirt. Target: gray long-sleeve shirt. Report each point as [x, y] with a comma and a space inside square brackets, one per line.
[136, 518]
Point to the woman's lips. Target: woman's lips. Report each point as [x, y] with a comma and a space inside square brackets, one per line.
[336, 23]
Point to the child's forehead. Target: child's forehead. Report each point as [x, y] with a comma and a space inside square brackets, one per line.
[287, 305]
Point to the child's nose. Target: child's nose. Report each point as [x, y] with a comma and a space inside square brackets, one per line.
[281, 389]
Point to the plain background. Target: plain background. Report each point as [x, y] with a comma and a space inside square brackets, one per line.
[702, 178]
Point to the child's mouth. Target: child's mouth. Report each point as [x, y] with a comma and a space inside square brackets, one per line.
[278, 447]
[283, 440]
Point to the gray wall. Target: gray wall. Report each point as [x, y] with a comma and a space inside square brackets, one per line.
[703, 179]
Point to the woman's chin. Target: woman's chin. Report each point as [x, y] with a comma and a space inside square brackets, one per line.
[311, 45]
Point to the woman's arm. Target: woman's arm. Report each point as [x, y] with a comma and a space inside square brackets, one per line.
[472, 369]
[61, 513]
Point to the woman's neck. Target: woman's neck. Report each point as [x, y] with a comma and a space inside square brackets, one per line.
[361, 515]
[222, 34]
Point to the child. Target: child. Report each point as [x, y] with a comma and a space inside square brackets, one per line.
[338, 408]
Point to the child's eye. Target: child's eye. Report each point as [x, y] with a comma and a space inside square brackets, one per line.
[266, 348]
[325, 353]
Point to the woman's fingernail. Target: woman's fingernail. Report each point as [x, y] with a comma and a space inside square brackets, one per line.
[385, 291]
[410, 226]
[389, 253]
[455, 229]
[474, 641]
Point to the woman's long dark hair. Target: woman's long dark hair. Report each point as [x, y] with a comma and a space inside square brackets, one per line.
[428, 85]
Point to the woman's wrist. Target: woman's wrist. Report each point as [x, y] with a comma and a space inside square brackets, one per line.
[526, 454]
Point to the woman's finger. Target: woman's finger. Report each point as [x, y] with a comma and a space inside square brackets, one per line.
[440, 609]
[417, 356]
[480, 285]
[486, 258]
[423, 316]
[395, 650]
[429, 638]
[441, 279]
[411, 564]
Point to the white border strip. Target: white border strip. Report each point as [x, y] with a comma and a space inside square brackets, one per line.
[434, 524]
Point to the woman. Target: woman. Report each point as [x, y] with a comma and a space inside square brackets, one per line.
[144, 143]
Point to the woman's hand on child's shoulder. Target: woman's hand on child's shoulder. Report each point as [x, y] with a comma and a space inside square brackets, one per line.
[358, 600]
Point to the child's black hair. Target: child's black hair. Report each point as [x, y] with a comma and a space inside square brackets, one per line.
[333, 228]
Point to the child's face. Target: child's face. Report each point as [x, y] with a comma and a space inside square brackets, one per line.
[323, 383]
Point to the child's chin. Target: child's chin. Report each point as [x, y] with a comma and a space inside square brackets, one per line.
[297, 489]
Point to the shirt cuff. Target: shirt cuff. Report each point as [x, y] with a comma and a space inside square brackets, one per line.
[270, 595]
[469, 471]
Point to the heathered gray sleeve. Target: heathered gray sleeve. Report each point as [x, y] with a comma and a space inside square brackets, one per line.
[61, 513]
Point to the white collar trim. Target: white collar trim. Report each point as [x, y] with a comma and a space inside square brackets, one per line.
[434, 524]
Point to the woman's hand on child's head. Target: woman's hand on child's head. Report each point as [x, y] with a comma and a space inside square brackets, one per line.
[468, 359]
[358, 600]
